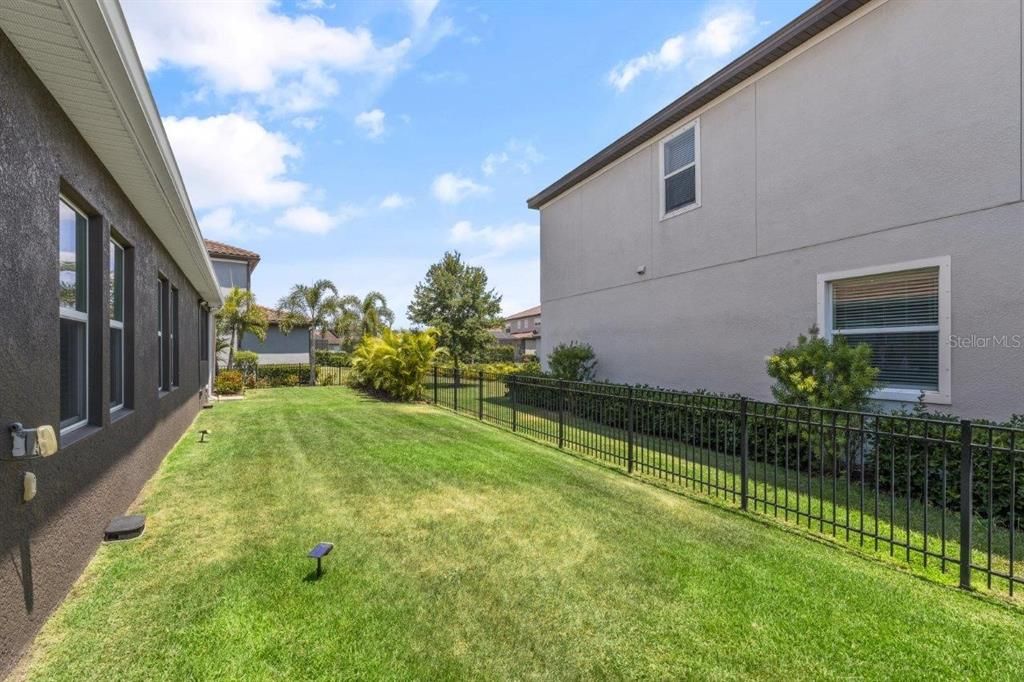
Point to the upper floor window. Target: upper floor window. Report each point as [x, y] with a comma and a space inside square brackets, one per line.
[902, 313]
[74, 316]
[680, 177]
[116, 318]
[231, 274]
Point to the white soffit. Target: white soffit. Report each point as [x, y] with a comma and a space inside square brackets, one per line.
[83, 53]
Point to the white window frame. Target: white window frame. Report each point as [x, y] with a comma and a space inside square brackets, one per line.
[944, 395]
[79, 316]
[695, 125]
[119, 324]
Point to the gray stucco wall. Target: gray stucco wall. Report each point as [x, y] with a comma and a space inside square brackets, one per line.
[897, 138]
[45, 544]
[279, 348]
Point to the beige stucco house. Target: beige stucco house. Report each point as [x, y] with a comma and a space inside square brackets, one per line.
[860, 170]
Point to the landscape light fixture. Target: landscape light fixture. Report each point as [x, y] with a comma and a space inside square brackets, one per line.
[321, 550]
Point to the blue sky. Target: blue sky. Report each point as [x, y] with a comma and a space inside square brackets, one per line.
[357, 141]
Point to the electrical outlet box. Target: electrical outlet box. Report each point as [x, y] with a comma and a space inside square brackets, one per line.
[28, 486]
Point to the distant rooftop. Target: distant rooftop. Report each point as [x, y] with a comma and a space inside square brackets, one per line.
[529, 312]
[222, 250]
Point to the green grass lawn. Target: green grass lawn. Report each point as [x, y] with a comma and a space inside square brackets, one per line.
[845, 513]
[463, 551]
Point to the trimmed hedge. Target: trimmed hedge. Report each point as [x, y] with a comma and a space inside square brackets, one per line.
[333, 358]
[272, 376]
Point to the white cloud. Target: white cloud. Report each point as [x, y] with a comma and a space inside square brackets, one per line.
[492, 161]
[372, 122]
[420, 10]
[395, 201]
[497, 240]
[520, 155]
[721, 33]
[231, 159]
[250, 47]
[449, 188]
[221, 223]
[306, 122]
[314, 4]
[313, 220]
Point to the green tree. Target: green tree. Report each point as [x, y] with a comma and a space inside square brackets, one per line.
[454, 300]
[239, 316]
[315, 306]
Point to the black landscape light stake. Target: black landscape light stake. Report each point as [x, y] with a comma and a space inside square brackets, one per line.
[321, 550]
[203, 434]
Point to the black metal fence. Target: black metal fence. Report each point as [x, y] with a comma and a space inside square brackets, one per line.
[944, 496]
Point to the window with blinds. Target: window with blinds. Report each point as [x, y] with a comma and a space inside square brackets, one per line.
[897, 315]
[679, 170]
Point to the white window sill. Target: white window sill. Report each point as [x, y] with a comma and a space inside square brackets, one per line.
[679, 211]
[907, 395]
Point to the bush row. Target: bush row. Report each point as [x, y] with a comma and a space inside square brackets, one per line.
[890, 450]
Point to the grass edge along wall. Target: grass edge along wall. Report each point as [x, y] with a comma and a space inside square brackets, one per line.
[886, 484]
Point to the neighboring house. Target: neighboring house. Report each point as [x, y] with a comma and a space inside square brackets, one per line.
[106, 295]
[328, 341]
[522, 331]
[279, 348]
[233, 266]
[860, 169]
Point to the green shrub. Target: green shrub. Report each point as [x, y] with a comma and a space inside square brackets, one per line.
[282, 375]
[333, 358]
[497, 353]
[394, 362]
[572, 362]
[818, 372]
[915, 440]
[246, 361]
[228, 382]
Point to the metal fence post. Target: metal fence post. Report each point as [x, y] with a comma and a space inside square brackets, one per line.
[966, 502]
[512, 396]
[435, 384]
[629, 434]
[480, 396]
[561, 413]
[455, 393]
[744, 453]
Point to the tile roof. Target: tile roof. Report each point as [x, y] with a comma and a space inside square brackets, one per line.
[222, 250]
[529, 312]
[273, 316]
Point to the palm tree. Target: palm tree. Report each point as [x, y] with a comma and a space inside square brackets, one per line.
[240, 315]
[316, 306]
[348, 321]
[374, 314]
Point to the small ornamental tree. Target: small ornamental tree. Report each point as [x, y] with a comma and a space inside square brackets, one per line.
[818, 372]
[572, 361]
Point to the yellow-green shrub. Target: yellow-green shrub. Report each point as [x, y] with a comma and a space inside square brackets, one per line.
[394, 362]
